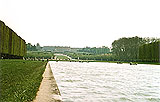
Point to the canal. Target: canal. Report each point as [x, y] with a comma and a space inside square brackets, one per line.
[107, 82]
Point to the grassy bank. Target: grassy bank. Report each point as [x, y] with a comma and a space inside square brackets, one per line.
[20, 80]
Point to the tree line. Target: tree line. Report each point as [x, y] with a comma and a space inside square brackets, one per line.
[31, 47]
[95, 50]
[135, 48]
[84, 56]
[124, 49]
[150, 52]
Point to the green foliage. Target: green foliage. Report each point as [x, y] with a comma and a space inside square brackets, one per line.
[83, 56]
[31, 47]
[150, 52]
[127, 48]
[131, 49]
[10, 43]
[20, 80]
[61, 57]
[94, 50]
[33, 54]
[1, 35]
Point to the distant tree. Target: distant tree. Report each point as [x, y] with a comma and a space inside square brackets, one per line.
[150, 51]
[135, 48]
[94, 50]
[34, 48]
[127, 48]
[38, 47]
[31, 47]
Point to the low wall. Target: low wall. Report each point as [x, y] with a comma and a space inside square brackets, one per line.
[48, 90]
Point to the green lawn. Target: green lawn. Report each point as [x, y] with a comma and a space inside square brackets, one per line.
[33, 54]
[62, 57]
[20, 80]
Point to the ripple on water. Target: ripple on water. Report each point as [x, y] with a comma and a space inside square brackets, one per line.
[107, 82]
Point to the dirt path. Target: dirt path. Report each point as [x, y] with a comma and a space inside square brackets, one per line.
[48, 91]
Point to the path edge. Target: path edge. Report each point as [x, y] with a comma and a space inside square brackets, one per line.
[48, 90]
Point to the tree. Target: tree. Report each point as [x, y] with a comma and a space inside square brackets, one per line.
[38, 47]
[127, 48]
[31, 47]
[94, 50]
[150, 51]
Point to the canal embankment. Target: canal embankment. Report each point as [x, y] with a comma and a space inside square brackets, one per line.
[48, 90]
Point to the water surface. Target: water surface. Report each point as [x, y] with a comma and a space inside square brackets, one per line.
[107, 82]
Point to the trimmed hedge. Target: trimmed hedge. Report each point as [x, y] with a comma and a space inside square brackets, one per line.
[150, 52]
[11, 45]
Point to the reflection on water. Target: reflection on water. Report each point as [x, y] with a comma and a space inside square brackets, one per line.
[107, 82]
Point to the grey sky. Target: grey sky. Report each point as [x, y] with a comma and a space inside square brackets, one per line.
[80, 23]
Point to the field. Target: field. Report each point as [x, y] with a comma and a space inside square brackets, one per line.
[20, 80]
[62, 57]
[33, 54]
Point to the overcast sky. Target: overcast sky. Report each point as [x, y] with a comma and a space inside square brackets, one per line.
[80, 23]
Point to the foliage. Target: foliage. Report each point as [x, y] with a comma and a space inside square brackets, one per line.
[31, 47]
[38, 47]
[37, 54]
[127, 49]
[150, 52]
[61, 57]
[20, 80]
[83, 56]
[11, 45]
[94, 50]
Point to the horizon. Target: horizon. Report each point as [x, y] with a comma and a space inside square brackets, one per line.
[86, 46]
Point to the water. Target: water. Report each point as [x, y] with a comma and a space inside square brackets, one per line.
[107, 82]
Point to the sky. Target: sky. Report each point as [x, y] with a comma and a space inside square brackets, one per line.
[81, 23]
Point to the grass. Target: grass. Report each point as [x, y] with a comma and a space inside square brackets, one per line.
[38, 54]
[62, 57]
[20, 80]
